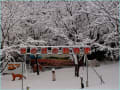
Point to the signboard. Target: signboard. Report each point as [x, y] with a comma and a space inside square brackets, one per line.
[23, 50]
[33, 51]
[65, 50]
[55, 50]
[13, 67]
[76, 50]
[43, 50]
[55, 61]
[86, 50]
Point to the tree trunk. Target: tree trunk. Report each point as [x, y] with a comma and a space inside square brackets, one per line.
[117, 28]
[2, 44]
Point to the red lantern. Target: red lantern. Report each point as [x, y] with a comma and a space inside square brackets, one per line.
[76, 50]
[33, 50]
[23, 50]
[44, 50]
[86, 50]
[55, 50]
[65, 50]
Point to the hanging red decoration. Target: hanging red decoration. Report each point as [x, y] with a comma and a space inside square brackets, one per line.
[76, 50]
[44, 50]
[33, 50]
[86, 50]
[55, 50]
[65, 50]
[23, 50]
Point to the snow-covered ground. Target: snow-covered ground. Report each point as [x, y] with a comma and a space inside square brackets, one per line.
[65, 79]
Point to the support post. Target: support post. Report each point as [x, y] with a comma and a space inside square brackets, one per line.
[53, 74]
[86, 70]
[22, 72]
[37, 65]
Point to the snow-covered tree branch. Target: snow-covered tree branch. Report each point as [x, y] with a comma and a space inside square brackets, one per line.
[61, 23]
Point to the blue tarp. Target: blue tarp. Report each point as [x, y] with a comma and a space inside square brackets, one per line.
[33, 57]
[39, 57]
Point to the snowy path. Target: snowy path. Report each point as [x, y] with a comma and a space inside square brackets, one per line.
[65, 79]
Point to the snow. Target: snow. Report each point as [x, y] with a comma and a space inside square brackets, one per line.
[65, 79]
